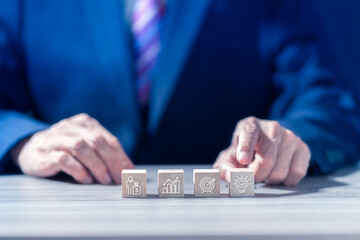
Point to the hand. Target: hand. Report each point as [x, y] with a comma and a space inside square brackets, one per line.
[78, 146]
[276, 154]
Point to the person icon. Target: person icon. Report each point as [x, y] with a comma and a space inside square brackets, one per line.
[133, 188]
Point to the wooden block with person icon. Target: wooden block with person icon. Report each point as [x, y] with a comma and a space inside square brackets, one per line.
[133, 183]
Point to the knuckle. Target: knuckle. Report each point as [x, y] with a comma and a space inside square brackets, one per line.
[61, 124]
[291, 135]
[248, 120]
[222, 154]
[114, 142]
[298, 172]
[64, 159]
[251, 119]
[276, 124]
[288, 145]
[79, 147]
[99, 141]
[82, 117]
[278, 130]
[269, 161]
[249, 127]
[266, 163]
[275, 131]
[94, 121]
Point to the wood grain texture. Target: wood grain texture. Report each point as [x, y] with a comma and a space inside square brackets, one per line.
[326, 207]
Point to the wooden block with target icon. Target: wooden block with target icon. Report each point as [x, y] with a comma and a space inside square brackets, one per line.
[241, 182]
[206, 182]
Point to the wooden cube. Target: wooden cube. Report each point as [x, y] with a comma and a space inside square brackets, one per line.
[133, 183]
[241, 182]
[171, 183]
[206, 182]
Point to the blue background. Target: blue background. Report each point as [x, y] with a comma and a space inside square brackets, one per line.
[341, 21]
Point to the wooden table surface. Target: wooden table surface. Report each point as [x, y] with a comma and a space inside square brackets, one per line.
[326, 207]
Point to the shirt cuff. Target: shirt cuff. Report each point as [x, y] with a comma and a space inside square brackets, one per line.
[14, 127]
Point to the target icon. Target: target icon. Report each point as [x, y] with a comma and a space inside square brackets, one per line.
[242, 183]
[207, 185]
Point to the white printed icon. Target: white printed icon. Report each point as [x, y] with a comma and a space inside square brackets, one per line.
[171, 186]
[242, 183]
[207, 185]
[133, 188]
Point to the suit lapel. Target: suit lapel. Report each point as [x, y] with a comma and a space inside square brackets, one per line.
[181, 25]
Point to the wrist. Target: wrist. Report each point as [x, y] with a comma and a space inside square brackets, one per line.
[15, 152]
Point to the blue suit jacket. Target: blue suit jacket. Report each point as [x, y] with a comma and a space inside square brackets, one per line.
[221, 61]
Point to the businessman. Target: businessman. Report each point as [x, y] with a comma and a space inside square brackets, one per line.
[93, 87]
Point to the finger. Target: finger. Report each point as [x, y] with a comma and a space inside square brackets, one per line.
[114, 158]
[106, 145]
[72, 167]
[226, 161]
[87, 156]
[123, 161]
[282, 164]
[264, 162]
[298, 167]
[81, 119]
[248, 133]
[266, 150]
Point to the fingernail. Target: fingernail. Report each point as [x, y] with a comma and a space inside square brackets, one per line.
[243, 157]
[88, 180]
[107, 179]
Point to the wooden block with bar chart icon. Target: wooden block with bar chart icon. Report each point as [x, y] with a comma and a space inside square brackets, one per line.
[241, 182]
[171, 183]
[133, 183]
[206, 182]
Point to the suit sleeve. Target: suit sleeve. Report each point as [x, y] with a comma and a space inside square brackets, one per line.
[15, 100]
[310, 97]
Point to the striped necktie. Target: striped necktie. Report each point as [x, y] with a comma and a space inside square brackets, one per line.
[145, 28]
